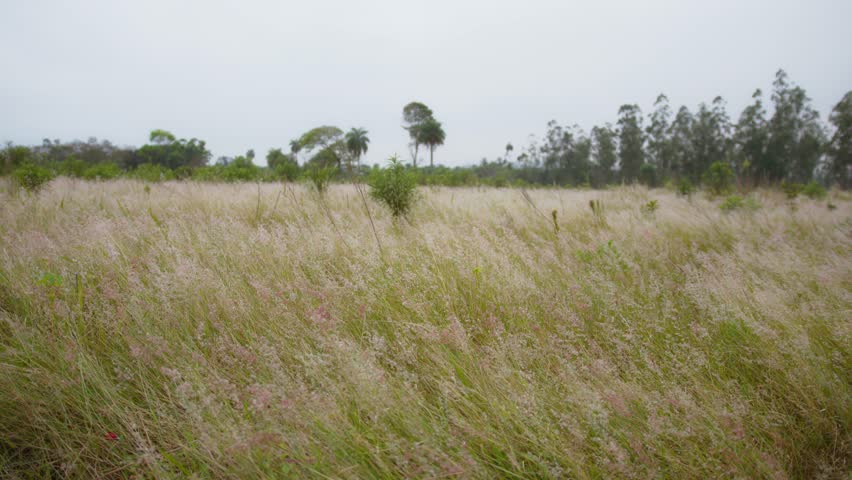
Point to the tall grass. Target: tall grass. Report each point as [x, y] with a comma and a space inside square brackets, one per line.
[217, 331]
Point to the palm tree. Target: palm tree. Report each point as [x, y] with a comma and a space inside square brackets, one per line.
[432, 134]
[356, 143]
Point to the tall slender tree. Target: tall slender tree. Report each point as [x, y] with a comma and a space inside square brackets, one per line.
[840, 149]
[414, 115]
[631, 154]
[659, 144]
[710, 132]
[579, 158]
[750, 138]
[680, 135]
[796, 138]
[604, 153]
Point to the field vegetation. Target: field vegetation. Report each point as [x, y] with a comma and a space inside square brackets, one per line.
[212, 330]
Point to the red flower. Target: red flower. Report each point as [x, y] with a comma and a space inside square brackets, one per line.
[111, 436]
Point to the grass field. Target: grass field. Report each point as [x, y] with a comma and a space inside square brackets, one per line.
[184, 330]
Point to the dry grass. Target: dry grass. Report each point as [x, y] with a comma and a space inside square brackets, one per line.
[241, 331]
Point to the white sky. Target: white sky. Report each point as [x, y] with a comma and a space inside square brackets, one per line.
[256, 74]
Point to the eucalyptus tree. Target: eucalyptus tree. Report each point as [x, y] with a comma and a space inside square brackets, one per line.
[680, 136]
[631, 154]
[604, 152]
[750, 139]
[557, 141]
[796, 137]
[840, 148]
[431, 134]
[660, 152]
[710, 137]
[578, 160]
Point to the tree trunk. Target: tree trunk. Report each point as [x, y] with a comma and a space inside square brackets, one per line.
[416, 146]
[431, 155]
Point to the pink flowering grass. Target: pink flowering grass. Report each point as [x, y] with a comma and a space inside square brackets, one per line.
[209, 331]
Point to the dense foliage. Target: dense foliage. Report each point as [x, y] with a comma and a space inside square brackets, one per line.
[791, 144]
[394, 186]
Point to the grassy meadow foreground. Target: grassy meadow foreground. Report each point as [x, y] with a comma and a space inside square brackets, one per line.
[182, 330]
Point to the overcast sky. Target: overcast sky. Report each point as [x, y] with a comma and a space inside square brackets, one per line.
[255, 74]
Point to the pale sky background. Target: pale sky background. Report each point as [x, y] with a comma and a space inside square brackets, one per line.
[256, 74]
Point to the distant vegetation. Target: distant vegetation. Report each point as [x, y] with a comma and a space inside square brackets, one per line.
[704, 147]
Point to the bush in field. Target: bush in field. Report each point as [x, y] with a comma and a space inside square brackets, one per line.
[32, 177]
[102, 171]
[150, 172]
[736, 202]
[286, 171]
[685, 187]
[183, 172]
[241, 169]
[814, 190]
[13, 157]
[718, 178]
[394, 186]
[650, 208]
[791, 190]
[320, 176]
[71, 167]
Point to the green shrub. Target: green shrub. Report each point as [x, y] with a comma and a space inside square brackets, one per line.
[736, 202]
[183, 172]
[685, 188]
[286, 171]
[32, 177]
[792, 190]
[150, 172]
[239, 170]
[320, 177]
[208, 173]
[13, 157]
[394, 186]
[718, 178]
[814, 190]
[102, 171]
[650, 207]
[71, 167]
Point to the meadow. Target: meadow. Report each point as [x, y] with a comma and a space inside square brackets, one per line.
[188, 330]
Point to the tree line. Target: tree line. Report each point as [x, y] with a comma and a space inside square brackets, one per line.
[791, 145]
[704, 146]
